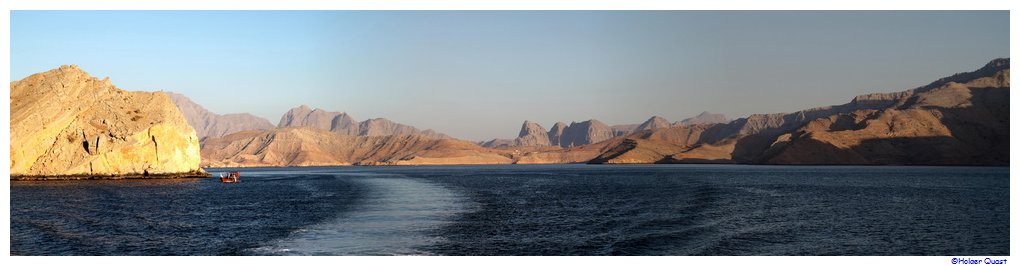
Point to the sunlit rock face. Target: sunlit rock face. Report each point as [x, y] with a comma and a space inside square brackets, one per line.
[67, 123]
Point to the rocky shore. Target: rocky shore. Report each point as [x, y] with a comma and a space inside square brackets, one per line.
[199, 174]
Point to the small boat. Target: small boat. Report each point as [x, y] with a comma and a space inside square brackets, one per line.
[232, 177]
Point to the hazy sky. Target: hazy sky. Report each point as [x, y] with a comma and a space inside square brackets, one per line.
[478, 74]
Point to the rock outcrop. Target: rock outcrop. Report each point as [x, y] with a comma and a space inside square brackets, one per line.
[556, 133]
[584, 133]
[562, 135]
[209, 124]
[532, 134]
[67, 124]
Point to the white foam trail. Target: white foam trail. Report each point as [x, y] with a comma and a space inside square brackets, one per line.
[394, 219]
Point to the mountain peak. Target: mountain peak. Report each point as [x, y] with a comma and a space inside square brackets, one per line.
[531, 128]
[997, 64]
[655, 122]
[532, 134]
[705, 118]
[990, 69]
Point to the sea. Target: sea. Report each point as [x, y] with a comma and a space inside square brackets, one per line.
[674, 210]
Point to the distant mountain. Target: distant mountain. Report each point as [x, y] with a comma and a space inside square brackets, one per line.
[588, 132]
[342, 123]
[497, 143]
[532, 134]
[209, 124]
[704, 118]
[303, 116]
[583, 133]
[620, 130]
[958, 120]
[556, 133]
[656, 122]
[576, 134]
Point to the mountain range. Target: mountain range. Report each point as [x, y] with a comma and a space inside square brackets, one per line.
[344, 124]
[209, 124]
[591, 131]
[962, 119]
[957, 120]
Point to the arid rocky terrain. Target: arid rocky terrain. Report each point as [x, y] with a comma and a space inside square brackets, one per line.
[65, 122]
[68, 124]
[957, 120]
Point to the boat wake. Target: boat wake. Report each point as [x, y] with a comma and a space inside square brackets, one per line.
[396, 218]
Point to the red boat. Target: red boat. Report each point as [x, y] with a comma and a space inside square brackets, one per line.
[232, 177]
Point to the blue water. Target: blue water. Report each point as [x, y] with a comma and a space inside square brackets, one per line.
[525, 210]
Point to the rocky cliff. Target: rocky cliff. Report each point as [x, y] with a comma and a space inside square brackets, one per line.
[556, 133]
[67, 124]
[209, 124]
[584, 133]
[532, 134]
[562, 135]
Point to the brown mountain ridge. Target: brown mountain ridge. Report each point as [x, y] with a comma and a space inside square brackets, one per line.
[958, 120]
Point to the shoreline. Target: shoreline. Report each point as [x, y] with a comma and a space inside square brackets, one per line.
[621, 164]
[109, 177]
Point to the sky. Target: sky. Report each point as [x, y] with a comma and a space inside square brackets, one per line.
[478, 75]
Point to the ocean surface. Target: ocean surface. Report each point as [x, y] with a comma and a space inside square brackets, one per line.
[525, 210]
